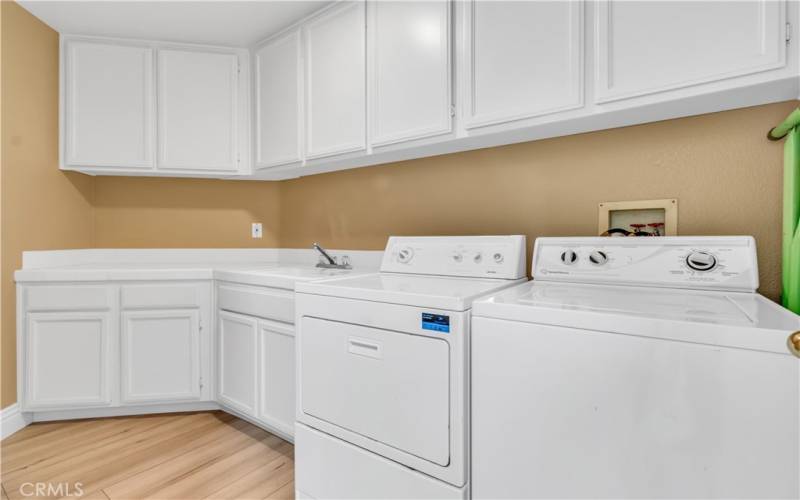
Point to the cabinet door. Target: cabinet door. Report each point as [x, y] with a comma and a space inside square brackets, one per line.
[276, 375]
[107, 105]
[197, 110]
[278, 97]
[648, 47]
[237, 361]
[335, 81]
[160, 356]
[520, 60]
[68, 359]
[409, 70]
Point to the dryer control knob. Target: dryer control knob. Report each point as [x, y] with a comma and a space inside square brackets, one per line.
[701, 261]
[405, 255]
[478, 258]
[598, 258]
[457, 257]
[569, 257]
[498, 257]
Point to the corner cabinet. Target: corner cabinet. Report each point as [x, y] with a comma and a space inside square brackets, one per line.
[198, 115]
[160, 356]
[150, 108]
[278, 107]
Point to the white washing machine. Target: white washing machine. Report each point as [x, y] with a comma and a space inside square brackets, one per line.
[383, 369]
[635, 368]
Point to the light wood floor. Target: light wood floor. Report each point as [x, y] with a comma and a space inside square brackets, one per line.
[178, 456]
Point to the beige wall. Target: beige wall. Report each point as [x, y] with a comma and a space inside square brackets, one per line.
[726, 175]
[139, 212]
[40, 207]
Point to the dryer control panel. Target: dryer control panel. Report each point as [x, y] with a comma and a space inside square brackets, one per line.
[707, 263]
[500, 257]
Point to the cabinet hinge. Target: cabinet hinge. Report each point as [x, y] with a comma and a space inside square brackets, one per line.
[201, 382]
[788, 32]
[238, 67]
[452, 110]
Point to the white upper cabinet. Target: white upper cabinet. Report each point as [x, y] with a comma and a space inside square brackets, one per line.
[197, 110]
[409, 70]
[335, 66]
[107, 105]
[648, 47]
[520, 60]
[278, 106]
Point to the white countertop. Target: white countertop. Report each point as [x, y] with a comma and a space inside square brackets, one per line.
[279, 268]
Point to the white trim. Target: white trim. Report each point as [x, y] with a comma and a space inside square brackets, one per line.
[12, 420]
[47, 416]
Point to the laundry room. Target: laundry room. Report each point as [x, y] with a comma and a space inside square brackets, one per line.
[388, 249]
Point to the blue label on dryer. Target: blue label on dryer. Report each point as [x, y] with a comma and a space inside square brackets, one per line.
[436, 322]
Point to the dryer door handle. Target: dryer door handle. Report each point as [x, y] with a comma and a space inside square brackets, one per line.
[364, 347]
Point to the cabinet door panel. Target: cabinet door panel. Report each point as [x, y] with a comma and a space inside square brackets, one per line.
[160, 355]
[67, 359]
[335, 81]
[646, 47]
[521, 60]
[278, 98]
[410, 71]
[277, 374]
[197, 110]
[237, 361]
[108, 105]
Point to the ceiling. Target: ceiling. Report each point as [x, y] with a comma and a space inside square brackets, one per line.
[230, 22]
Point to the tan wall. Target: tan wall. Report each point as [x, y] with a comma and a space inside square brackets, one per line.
[41, 207]
[725, 174]
[139, 212]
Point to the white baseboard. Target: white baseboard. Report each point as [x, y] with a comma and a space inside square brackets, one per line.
[12, 420]
[48, 416]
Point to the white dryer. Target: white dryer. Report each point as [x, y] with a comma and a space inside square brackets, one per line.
[383, 372]
[635, 368]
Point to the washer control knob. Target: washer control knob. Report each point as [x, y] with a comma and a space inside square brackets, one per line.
[701, 261]
[498, 257]
[478, 258]
[457, 256]
[598, 258]
[569, 257]
[405, 255]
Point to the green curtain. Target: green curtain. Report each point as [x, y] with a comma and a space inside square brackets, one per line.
[790, 129]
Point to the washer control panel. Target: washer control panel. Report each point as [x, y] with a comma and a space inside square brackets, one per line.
[713, 263]
[464, 256]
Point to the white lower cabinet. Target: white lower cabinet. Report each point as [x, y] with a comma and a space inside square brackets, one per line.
[237, 361]
[160, 356]
[276, 378]
[67, 360]
[256, 356]
[112, 344]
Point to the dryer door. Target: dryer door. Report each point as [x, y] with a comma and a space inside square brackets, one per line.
[388, 386]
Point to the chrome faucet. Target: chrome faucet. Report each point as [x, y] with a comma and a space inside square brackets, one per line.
[329, 262]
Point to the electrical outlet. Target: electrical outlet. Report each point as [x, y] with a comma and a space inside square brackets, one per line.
[255, 230]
